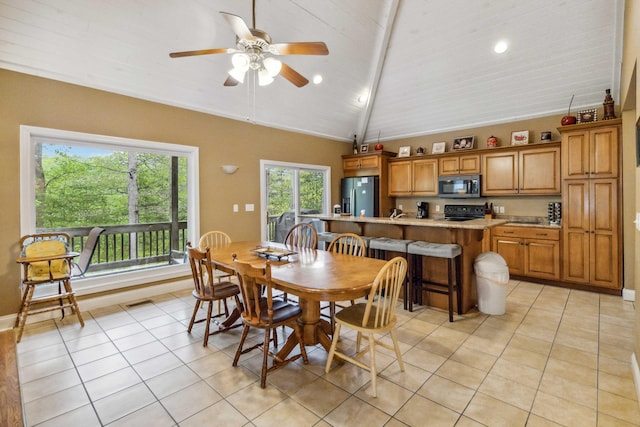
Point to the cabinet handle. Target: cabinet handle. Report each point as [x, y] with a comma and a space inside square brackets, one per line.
[509, 232]
[541, 234]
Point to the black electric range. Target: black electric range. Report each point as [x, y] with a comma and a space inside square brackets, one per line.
[463, 212]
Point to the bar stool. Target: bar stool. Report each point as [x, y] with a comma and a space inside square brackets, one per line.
[379, 246]
[452, 253]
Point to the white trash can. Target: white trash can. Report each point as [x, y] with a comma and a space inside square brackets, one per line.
[492, 277]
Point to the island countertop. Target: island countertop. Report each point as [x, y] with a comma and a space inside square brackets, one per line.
[472, 224]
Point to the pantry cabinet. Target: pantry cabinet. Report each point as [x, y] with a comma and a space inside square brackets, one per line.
[591, 204]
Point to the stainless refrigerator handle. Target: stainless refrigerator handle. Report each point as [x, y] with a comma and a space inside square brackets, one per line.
[353, 202]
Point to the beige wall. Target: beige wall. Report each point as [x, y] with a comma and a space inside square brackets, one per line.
[28, 100]
[630, 94]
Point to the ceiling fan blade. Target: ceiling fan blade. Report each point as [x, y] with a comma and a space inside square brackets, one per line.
[293, 76]
[202, 52]
[238, 26]
[231, 81]
[300, 48]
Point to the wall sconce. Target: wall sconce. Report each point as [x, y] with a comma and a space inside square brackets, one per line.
[229, 169]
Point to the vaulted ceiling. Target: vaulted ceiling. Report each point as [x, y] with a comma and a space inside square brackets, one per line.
[396, 68]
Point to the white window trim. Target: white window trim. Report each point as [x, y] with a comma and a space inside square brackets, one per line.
[89, 285]
[263, 194]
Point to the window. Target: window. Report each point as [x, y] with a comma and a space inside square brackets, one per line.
[143, 193]
[290, 189]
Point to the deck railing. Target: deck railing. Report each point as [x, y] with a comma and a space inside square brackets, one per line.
[128, 247]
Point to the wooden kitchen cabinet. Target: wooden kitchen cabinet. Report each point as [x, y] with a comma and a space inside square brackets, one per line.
[400, 178]
[590, 152]
[529, 251]
[462, 164]
[534, 171]
[413, 177]
[592, 204]
[591, 236]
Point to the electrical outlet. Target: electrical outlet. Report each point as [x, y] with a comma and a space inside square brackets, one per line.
[400, 207]
[437, 208]
[248, 207]
[235, 207]
[501, 209]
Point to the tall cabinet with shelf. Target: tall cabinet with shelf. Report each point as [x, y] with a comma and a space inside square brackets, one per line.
[592, 204]
[372, 164]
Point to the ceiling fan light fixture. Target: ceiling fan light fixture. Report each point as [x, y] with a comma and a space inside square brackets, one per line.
[264, 78]
[272, 65]
[240, 61]
[238, 74]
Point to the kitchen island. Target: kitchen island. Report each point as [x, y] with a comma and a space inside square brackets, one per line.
[474, 236]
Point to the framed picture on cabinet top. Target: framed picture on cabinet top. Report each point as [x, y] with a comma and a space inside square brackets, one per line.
[438, 147]
[586, 116]
[364, 148]
[404, 151]
[520, 137]
[463, 143]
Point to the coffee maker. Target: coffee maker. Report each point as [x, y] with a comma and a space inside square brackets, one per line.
[423, 210]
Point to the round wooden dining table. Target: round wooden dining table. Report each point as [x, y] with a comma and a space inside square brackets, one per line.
[312, 275]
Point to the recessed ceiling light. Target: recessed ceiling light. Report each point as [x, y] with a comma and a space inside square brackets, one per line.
[317, 79]
[500, 47]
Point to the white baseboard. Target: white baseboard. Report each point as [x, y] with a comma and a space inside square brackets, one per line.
[629, 294]
[92, 303]
[636, 374]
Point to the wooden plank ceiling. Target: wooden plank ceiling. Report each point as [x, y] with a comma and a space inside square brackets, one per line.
[396, 68]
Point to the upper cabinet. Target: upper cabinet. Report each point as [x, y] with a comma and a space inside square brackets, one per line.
[590, 152]
[413, 177]
[374, 164]
[461, 164]
[523, 170]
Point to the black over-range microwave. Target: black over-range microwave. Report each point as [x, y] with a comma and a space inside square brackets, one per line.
[459, 186]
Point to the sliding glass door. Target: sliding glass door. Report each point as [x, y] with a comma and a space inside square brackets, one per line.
[288, 190]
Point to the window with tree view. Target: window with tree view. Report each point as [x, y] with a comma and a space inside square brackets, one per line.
[138, 194]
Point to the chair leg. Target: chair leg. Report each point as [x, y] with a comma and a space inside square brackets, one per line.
[332, 350]
[245, 332]
[23, 312]
[394, 338]
[297, 329]
[332, 315]
[265, 354]
[193, 316]
[206, 328]
[450, 287]
[74, 302]
[458, 263]
[372, 367]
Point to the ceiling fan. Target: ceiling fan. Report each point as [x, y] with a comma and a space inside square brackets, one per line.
[254, 50]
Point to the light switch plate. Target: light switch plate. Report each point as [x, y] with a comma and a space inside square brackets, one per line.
[637, 221]
[248, 207]
[235, 207]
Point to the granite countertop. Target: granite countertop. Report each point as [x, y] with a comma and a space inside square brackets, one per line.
[473, 224]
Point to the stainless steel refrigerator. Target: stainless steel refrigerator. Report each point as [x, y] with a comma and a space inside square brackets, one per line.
[360, 194]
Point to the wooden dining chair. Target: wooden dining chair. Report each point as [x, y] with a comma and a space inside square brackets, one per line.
[375, 316]
[302, 236]
[213, 240]
[45, 259]
[348, 244]
[260, 311]
[208, 290]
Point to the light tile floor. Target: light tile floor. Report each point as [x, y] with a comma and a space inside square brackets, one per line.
[558, 357]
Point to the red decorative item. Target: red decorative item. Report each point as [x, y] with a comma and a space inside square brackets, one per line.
[378, 147]
[492, 142]
[568, 119]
